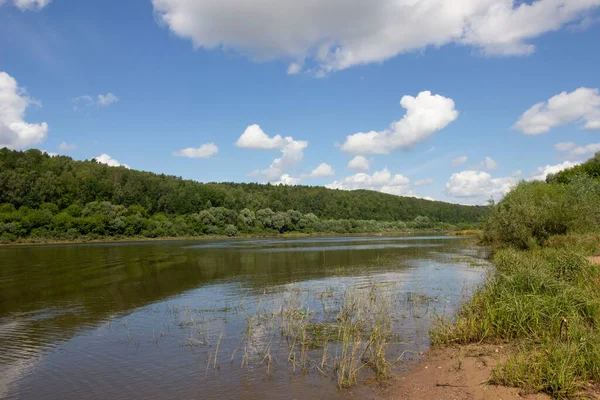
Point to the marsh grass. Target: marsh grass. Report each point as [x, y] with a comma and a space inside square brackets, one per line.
[341, 335]
[547, 301]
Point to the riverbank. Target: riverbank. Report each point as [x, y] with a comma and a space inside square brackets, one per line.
[537, 317]
[456, 372]
[50, 241]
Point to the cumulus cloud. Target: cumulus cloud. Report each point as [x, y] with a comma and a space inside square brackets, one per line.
[333, 35]
[107, 99]
[64, 146]
[292, 151]
[359, 163]
[581, 105]
[542, 172]
[51, 154]
[575, 152]
[479, 186]
[381, 181]
[15, 133]
[425, 115]
[102, 100]
[207, 150]
[490, 163]
[288, 180]
[565, 146]
[459, 161]
[108, 160]
[294, 68]
[324, 170]
[24, 5]
[424, 182]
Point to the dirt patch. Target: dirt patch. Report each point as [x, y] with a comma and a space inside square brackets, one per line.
[455, 373]
[594, 259]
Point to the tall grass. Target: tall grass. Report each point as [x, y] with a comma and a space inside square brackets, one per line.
[544, 295]
[348, 334]
[546, 301]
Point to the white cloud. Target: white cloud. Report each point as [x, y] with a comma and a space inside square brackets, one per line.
[322, 171]
[15, 133]
[575, 152]
[490, 163]
[288, 180]
[23, 5]
[292, 151]
[381, 181]
[359, 163]
[459, 161]
[207, 150]
[108, 160]
[479, 186]
[581, 105]
[424, 182]
[565, 146]
[107, 99]
[542, 172]
[294, 68]
[337, 34]
[51, 154]
[425, 115]
[64, 146]
[102, 100]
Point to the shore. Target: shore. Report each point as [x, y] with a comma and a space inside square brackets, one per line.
[529, 332]
[42, 241]
[456, 372]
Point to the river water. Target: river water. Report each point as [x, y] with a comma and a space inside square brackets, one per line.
[167, 319]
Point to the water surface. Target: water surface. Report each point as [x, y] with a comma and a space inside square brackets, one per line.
[116, 320]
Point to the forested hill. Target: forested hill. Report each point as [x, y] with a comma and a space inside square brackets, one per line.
[31, 178]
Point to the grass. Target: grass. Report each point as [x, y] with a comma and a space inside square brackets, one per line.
[547, 302]
[350, 332]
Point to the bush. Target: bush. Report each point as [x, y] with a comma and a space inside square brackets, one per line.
[534, 211]
[230, 230]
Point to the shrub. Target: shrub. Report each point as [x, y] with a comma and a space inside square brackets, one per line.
[534, 211]
[230, 230]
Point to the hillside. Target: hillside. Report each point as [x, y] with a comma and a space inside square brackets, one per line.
[57, 198]
[31, 178]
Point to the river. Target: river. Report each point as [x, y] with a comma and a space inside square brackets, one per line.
[168, 319]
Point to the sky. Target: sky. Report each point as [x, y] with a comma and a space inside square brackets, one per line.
[453, 101]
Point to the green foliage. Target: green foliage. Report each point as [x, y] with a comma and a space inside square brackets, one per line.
[44, 197]
[534, 211]
[590, 168]
[230, 230]
[104, 219]
[32, 178]
[545, 299]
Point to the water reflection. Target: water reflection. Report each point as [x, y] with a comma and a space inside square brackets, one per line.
[111, 317]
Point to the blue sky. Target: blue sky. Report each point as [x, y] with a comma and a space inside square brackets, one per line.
[139, 82]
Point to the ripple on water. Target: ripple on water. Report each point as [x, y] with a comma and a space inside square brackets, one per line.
[107, 321]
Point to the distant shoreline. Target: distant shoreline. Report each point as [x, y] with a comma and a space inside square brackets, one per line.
[41, 241]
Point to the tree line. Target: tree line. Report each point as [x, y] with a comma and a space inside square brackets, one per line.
[43, 195]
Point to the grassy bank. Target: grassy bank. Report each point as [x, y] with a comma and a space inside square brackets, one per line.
[545, 301]
[543, 297]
